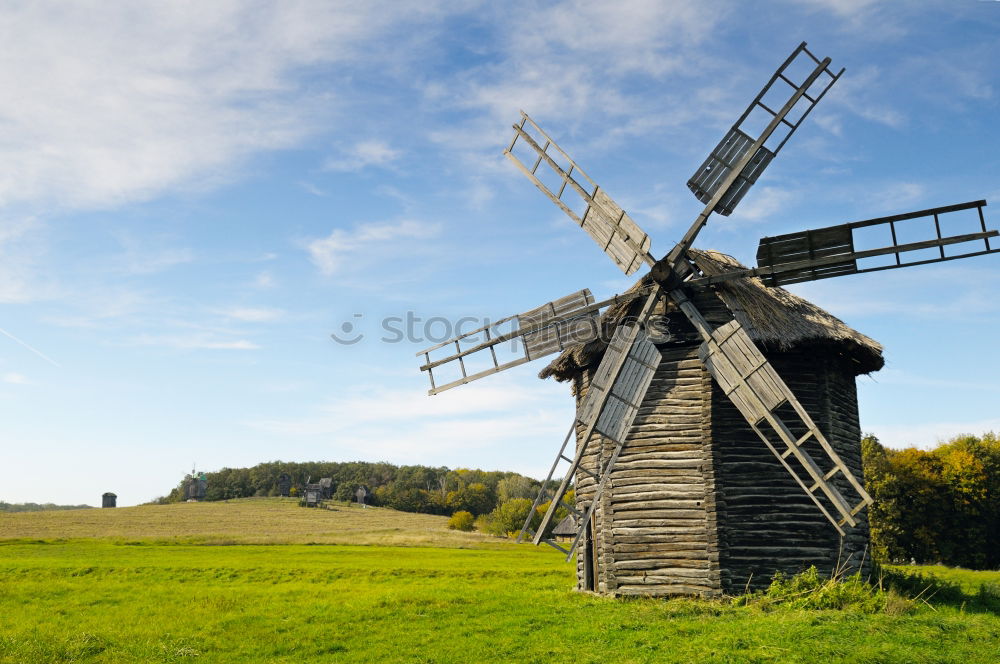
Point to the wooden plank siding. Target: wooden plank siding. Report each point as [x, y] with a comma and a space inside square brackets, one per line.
[766, 522]
[697, 504]
[654, 528]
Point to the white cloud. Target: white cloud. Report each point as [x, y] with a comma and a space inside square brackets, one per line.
[15, 379]
[361, 155]
[253, 314]
[330, 252]
[29, 347]
[264, 280]
[194, 342]
[409, 426]
[861, 94]
[137, 261]
[830, 122]
[578, 61]
[891, 293]
[897, 196]
[116, 102]
[764, 203]
[22, 248]
[843, 8]
[104, 305]
[313, 189]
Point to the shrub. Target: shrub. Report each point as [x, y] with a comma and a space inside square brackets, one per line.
[482, 523]
[508, 518]
[461, 520]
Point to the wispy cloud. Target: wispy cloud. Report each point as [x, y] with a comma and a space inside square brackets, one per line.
[30, 348]
[103, 305]
[198, 91]
[13, 378]
[480, 416]
[264, 280]
[194, 342]
[361, 155]
[863, 94]
[543, 66]
[313, 189]
[141, 261]
[764, 203]
[897, 196]
[22, 249]
[253, 314]
[330, 253]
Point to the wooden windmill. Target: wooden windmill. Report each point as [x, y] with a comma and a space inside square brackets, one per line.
[692, 321]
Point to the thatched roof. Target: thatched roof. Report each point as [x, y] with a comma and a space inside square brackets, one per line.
[566, 527]
[776, 319]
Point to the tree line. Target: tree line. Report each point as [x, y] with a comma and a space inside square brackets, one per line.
[939, 505]
[935, 506]
[38, 507]
[431, 490]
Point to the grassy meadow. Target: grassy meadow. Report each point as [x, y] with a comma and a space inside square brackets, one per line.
[278, 583]
[243, 521]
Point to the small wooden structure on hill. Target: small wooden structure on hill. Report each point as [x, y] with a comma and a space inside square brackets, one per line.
[195, 486]
[312, 494]
[565, 530]
[109, 500]
[326, 488]
[284, 485]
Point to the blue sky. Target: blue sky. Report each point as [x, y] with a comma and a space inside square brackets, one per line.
[194, 196]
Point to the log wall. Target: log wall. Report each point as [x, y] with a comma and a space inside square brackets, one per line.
[655, 531]
[697, 505]
[767, 522]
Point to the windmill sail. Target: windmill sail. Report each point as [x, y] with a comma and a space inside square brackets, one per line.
[536, 333]
[743, 149]
[773, 412]
[613, 399]
[832, 251]
[603, 219]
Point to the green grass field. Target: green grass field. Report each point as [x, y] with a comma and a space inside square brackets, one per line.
[156, 586]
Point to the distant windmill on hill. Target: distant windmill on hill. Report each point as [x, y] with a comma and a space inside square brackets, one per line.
[696, 467]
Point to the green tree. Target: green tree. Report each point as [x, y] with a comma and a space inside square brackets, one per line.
[516, 486]
[939, 505]
[476, 498]
[508, 518]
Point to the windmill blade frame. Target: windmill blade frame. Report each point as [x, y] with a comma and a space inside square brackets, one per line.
[824, 253]
[747, 157]
[605, 221]
[673, 267]
[613, 401]
[543, 330]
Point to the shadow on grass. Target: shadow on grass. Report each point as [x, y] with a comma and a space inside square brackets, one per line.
[933, 590]
[888, 591]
